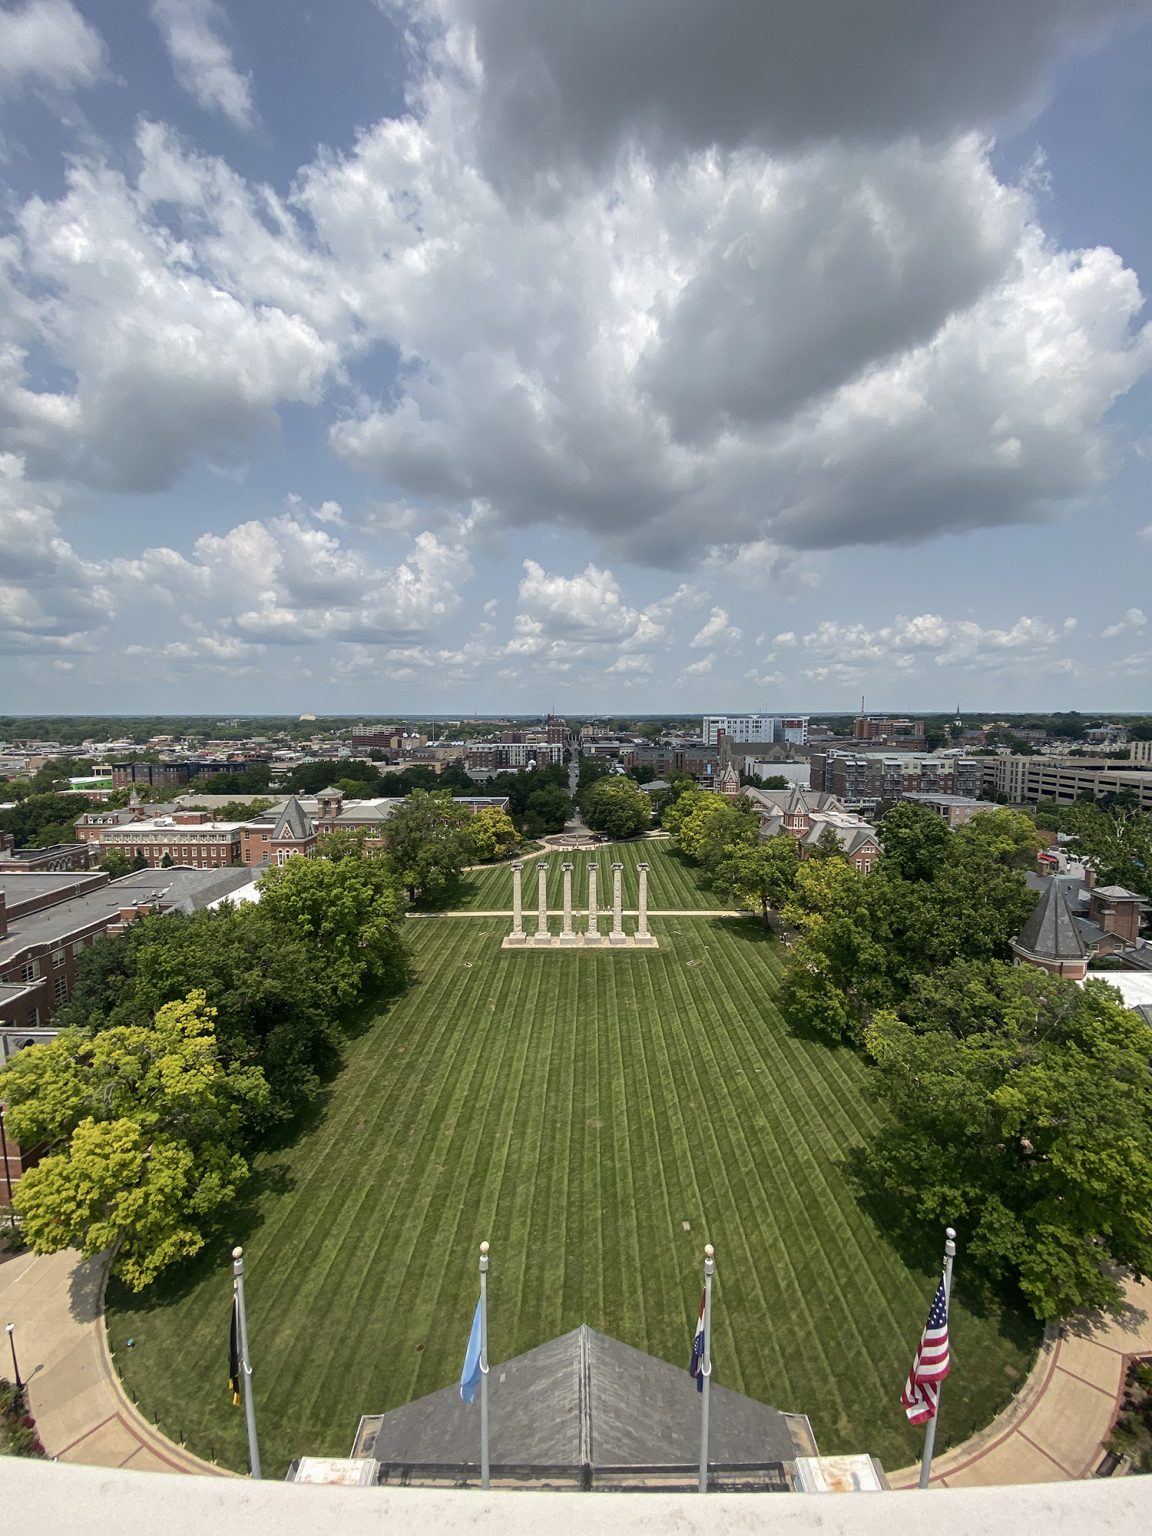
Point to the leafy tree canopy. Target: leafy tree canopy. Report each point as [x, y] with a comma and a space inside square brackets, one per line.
[759, 876]
[351, 911]
[493, 834]
[429, 841]
[1022, 1112]
[616, 806]
[143, 1124]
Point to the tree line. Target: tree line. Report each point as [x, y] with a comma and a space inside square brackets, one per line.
[1017, 1105]
[191, 1038]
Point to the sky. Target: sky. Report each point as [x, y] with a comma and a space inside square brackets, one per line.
[463, 356]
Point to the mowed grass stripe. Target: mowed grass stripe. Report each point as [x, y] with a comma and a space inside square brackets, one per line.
[469, 1108]
[673, 882]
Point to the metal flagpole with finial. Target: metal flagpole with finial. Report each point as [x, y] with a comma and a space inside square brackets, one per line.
[484, 1468]
[706, 1365]
[245, 1361]
[930, 1427]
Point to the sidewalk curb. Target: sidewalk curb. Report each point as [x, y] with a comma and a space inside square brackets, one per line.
[181, 1460]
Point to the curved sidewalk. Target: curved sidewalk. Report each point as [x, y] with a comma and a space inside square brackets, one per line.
[1054, 1429]
[82, 1412]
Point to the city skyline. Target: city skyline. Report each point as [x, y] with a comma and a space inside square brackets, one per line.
[468, 358]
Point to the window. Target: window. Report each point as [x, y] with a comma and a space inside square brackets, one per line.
[78, 947]
[30, 970]
[33, 1018]
[57, 959]
[61, 989]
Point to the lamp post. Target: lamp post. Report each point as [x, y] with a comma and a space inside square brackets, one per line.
[10, 1330]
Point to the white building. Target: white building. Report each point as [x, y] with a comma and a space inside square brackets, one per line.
[792, 729]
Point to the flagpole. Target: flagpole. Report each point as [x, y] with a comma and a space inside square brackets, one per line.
[930, 1427]
[245, 1362]
[706, 1365]
[484, 1468]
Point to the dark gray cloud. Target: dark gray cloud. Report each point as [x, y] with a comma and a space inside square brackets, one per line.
[570, 80]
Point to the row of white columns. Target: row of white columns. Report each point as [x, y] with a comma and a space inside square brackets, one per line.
[567, 934]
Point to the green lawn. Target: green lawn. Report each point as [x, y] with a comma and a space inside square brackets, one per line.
[673, 882]
[576, 1110]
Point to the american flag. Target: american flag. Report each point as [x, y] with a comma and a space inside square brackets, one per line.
[931, 1365]
[697, 1367]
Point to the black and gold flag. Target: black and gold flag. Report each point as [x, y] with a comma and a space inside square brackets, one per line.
[234, 1354]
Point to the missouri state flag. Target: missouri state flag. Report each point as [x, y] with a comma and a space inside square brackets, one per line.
[473, 1359]
[697, 1366]
[931, 1365]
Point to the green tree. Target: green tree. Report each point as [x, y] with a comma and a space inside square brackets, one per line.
[351, 910]
[704, 824]
[1021, 1110]
[428, 839]
[547, 810]
[617, 807]
[35, 813]
[833, 973]
[592, 770]
[759, 876]
[141, 1125]
[1003, 837]
[343, 843]
[828, 845]
[115, 864]
[914, 841]
[493, 834]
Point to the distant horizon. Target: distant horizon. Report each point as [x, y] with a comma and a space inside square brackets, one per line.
[367, 716]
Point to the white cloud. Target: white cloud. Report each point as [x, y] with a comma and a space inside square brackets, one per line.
[48, 41]
[202, 60]
[697, 668]
[588, 608]
[717, 631]
[631, 666]
[840, 652]
[50, 599]
[171, 359]
[1133, 620]
[897, 352]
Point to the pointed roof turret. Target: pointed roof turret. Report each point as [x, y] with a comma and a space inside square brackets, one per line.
[293, 823]
[1051, 937]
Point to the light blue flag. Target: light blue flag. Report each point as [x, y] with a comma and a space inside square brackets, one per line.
[470, 1375]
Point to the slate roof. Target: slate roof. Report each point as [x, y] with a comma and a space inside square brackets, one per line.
[1117, 893]
[293, 822]
[585, 1399]
[1051, 932]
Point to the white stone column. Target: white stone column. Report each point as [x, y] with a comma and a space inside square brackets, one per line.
[592, 931]
[566, 934]
[642, 934]
[517, 935]
[617, 934]
[542, 934]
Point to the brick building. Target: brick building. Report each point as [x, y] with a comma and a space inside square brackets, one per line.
[277, 836]
[181, 836]
[59, 858]
[858, 777]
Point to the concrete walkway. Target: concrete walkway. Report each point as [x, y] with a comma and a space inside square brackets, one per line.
[82, 1412]
[1054, 1429]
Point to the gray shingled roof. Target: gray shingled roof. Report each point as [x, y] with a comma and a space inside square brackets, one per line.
[293, 822]
[582, 1399]
[1051, 932]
